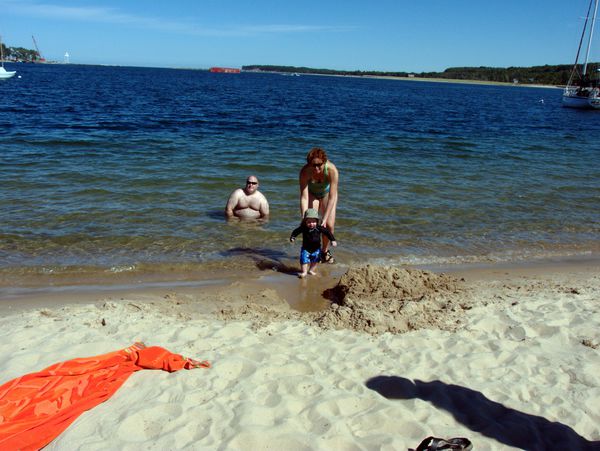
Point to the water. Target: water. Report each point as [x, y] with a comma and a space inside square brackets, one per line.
[115, 169]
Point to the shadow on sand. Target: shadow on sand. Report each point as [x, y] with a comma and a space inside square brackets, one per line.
[264, 259]
[471, 408]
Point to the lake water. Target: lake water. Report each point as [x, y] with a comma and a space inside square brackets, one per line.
[116, 169]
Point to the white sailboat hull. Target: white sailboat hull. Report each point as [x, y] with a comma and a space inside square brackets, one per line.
[576, 98]
[6, 74]
[583, 103]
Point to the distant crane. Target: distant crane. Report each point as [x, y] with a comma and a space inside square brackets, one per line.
[40, 58]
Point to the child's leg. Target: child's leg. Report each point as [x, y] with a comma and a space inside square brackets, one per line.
[304, 270]
[304, 259]
[312, 269]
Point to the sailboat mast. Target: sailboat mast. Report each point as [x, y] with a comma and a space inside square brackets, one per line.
[587, 54]
[1, 53]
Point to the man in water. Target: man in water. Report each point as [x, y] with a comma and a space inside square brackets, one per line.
[247, 203]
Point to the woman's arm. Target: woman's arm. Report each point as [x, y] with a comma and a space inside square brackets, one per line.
[304, 179]
[333, 192]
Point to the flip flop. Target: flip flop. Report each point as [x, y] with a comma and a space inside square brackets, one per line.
[435, 444]
[327, 257]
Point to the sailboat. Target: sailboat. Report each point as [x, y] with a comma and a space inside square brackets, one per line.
[3, 72]
[583, 90]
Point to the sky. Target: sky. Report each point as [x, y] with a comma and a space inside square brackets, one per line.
[379, 35]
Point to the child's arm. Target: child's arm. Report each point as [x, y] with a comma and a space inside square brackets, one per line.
[295, 233]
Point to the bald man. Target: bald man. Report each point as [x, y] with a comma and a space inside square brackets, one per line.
[247, 202]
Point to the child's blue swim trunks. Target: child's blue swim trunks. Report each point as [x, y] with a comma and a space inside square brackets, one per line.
[310, 257]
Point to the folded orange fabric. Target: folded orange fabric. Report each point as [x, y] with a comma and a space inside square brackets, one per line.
[37, 407]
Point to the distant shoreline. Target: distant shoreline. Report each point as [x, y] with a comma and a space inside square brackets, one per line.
[442, 80]
[545, 76]
[475, 82]
[381, 77]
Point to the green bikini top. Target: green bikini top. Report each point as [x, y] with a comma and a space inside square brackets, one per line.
[319, 189]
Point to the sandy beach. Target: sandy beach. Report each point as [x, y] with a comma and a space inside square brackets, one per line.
[507, 357]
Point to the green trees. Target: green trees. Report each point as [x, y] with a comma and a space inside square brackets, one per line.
[542, 75]
[539, 75]
[19, 54]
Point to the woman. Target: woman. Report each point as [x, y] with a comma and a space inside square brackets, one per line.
[319, 190]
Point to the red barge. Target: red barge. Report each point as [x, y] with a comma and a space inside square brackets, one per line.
[224, 70]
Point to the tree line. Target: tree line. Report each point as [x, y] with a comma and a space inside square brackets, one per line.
[20, 54]
[540, 75]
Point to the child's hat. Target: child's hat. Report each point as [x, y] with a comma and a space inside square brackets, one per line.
[311, 213]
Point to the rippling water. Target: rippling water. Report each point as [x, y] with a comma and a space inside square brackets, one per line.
[114, 168]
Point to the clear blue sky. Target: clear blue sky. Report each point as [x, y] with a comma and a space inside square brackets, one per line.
[384, 35]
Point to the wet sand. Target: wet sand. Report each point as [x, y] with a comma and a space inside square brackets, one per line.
[506, 356]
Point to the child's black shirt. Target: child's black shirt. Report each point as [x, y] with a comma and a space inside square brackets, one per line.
[311, 238]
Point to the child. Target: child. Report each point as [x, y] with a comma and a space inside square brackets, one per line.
[311, 241]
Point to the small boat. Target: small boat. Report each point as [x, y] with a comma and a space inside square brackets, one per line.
[3, 72]
[583, 89]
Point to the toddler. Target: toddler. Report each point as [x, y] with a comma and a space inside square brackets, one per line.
[310, 254]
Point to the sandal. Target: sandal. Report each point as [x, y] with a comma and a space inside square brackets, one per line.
[327, 257]
[434, 444]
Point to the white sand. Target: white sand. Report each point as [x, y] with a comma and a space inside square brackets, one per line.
[522, 372]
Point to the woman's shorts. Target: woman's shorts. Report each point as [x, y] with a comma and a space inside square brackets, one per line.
[310, 257]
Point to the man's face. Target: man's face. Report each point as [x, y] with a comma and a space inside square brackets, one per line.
[251, 185]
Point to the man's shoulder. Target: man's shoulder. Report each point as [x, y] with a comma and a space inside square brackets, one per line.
[259, 194]
[237, 192]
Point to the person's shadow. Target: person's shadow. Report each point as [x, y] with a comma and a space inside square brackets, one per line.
[478, 413]
[264, 259]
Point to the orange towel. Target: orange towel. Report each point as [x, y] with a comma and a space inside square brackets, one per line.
[37, 407]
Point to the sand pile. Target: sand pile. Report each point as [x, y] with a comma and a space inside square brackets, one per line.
[371, 299]
[376, 299]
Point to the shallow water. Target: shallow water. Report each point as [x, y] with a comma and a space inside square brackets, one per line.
[115, 169]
